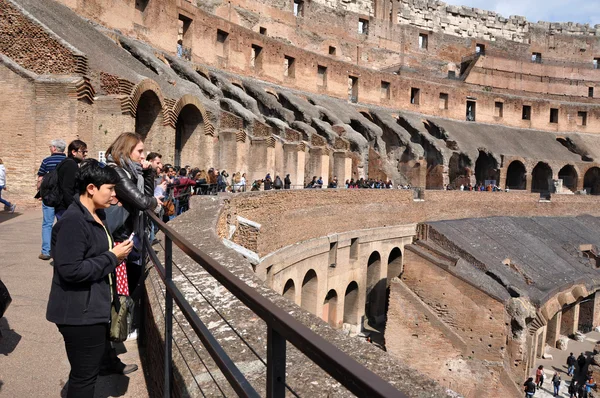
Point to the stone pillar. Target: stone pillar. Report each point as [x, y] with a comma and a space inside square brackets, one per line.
[293, 160]
[553, 329]
[257, 163]
[318, 164]
[227, 159]
[570, 320]
[528, 179]
[342, 167]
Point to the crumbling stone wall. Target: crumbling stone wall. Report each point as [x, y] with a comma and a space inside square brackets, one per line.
[285, 219]
[31, 46]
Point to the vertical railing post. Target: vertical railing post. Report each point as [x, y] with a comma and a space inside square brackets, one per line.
[168, 317]
[275, 364]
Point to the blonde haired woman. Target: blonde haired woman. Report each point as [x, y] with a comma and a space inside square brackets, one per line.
[7, 205]
[135, 193]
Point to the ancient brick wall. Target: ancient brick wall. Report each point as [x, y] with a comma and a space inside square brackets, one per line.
[416, 334]
[32, 47]
[241, 22]
[286, 219]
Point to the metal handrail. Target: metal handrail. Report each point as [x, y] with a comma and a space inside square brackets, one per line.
[281, 328]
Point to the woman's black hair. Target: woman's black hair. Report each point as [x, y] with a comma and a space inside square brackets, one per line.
[93, 172]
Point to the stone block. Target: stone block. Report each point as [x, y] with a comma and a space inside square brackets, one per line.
[562, 343]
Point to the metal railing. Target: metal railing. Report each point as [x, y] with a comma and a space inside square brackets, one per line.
[281, 328]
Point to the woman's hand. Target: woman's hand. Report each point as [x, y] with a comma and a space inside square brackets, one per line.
[122, 250]
[145, 164]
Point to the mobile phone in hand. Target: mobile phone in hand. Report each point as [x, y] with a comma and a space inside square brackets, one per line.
[131, 237]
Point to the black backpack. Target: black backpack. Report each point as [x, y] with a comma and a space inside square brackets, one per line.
[50, 188]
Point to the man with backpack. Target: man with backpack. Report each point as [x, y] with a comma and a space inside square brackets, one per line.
[66, 170]
[57, 155]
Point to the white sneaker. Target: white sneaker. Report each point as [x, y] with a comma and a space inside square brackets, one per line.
[133, 335]
[12, 208]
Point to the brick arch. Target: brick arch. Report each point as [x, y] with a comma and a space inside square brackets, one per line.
[511, 180]
[588, 167]
[188, 99]
[572, 185]
[131, 102]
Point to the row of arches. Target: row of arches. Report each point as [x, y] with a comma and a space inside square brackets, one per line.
[189, 128]
[542, 174]
[375, 300]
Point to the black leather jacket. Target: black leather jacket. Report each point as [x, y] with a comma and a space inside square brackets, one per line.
[133, 200]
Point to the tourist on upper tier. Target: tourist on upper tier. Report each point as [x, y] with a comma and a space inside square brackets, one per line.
[57, 155]
[76, 152]
[312, 183]
[278, 184]
[182, 191]
[529, 387]
[7, 205]
[556, 380]
[319, 183]
[80, 295]
[268, 182]
[581, 360]
[333, 183]
[539, 376]
[571, 361]
[222, 181]
[287, 182]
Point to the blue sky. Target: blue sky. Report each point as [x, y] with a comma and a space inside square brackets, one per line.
[582, 11]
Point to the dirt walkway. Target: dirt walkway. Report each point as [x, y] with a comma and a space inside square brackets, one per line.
[33, 362]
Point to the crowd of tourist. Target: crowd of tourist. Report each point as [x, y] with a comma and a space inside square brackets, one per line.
[582, 384]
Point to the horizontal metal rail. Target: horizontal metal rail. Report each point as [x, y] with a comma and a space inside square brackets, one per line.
[281, 326]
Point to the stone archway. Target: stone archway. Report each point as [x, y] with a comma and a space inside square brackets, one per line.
[591, 181]
[486, 168]
[516, 176]
[351, 304]
[289, 290]
[330, 308]
[375, 288]
[568, 175]
[394, 264]
[189, 131]
[308, 299]
[149, 119]
[540, 177]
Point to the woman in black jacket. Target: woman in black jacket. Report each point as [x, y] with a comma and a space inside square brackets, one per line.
[135, 193]
[84, 257]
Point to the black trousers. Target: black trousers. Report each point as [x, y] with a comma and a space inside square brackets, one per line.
[85, 345]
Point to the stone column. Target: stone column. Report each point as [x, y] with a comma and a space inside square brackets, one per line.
[570, 320]
[227, 159]
[257, 162]
[342, 167]
[553, 329]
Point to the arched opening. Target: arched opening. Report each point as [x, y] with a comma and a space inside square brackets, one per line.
[330, 308]
[568, 175]
[394, 264]
[591, 181]
[289, 291]
[486, 168]
[149, 118]
[459, 169]
[585, 322]
[540, 177]
[188, 133]
[515, 176]
[375, 288]
[308, 300]
[351, 304]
